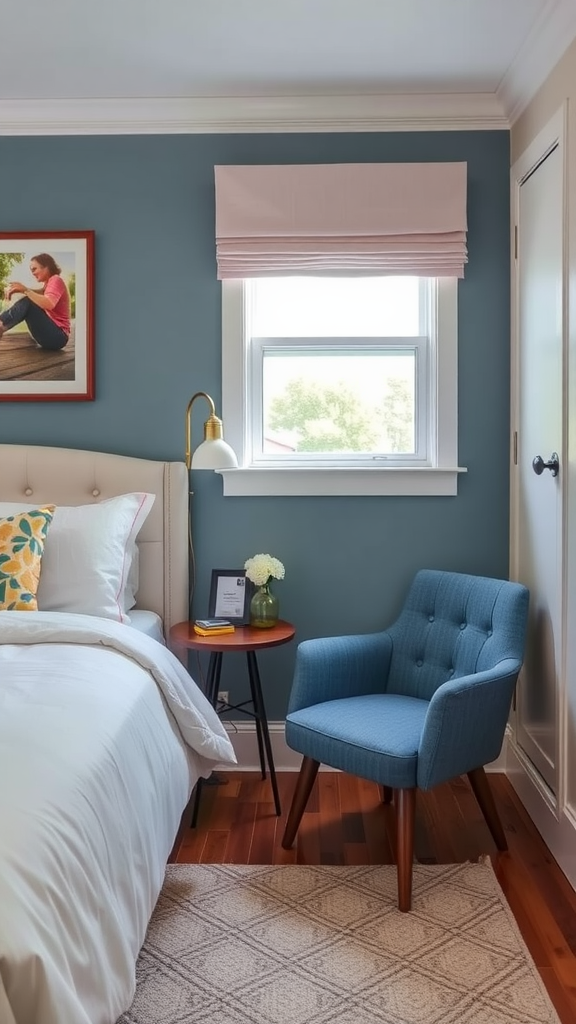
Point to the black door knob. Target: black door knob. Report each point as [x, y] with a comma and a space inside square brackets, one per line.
[538, 464]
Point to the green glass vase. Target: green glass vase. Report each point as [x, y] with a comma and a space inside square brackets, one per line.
[264, 608]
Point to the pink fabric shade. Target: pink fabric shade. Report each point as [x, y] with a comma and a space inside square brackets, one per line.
[341, 218]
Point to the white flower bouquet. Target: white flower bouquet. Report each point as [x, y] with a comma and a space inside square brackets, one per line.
[261, 568]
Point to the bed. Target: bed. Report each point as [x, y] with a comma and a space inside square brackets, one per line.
[102, 732]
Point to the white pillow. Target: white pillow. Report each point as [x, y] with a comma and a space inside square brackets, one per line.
[133, 581]
[87, 566]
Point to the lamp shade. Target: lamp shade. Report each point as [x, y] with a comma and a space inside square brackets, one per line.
[214, 454]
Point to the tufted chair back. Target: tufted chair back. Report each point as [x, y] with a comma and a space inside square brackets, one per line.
[452, 625]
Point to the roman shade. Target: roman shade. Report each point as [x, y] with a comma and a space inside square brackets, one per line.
[403, 218]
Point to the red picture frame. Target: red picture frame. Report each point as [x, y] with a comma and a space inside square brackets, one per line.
[47, 356]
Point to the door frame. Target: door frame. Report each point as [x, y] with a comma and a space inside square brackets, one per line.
[546, 810]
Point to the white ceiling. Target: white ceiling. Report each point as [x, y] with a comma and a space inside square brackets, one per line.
[113, 57]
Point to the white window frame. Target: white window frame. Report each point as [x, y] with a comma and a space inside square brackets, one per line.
[438, 477]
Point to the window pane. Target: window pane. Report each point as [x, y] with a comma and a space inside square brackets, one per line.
[339, 402]
[335, 307]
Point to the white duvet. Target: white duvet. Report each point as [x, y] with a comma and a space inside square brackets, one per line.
[102, 735]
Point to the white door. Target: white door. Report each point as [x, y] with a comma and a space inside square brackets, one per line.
[543, 746]
[539, 448]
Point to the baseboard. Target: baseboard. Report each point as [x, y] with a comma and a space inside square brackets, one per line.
[556, 824]
[243, 738]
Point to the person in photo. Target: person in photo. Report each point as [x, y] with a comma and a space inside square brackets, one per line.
[44, 310]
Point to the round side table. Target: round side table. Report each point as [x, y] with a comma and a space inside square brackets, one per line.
[251, 640]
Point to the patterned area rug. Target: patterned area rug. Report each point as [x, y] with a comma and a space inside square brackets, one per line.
[237, 944]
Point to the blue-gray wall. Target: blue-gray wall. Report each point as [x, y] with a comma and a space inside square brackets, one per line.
[150, 200]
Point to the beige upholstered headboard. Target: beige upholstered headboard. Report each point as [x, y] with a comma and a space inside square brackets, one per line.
[65, 476]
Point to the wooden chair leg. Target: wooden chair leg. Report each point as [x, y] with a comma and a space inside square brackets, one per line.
[483, 794]
[306, 778]
[405, 812]
[387, 794]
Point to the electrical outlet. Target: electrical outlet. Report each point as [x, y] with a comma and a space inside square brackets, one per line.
[223, 696]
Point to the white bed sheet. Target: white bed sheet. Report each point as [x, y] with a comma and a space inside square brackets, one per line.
[94, 776]
[147, 622]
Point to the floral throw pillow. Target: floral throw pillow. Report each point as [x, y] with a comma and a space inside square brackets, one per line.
[22, 538]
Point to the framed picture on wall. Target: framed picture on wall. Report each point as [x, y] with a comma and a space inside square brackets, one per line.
[47, 316]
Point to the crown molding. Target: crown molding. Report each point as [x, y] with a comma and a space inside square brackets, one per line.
[548, 40]
[237, 114]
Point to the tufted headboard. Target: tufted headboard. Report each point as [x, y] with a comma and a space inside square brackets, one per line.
[66, 476]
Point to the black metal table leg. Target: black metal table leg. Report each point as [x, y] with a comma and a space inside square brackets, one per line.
[261, 719]
[211, 692]
[259, 739]
[213, 681]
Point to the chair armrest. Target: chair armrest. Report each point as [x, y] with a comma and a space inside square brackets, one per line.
[339, 666]
[465, 723]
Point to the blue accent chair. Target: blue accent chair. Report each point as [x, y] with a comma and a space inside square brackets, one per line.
[420, 703]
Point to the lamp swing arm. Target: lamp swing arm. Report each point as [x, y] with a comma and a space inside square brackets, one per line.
[212, 454]
[212, 426]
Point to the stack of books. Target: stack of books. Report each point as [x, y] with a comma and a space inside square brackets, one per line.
[212, 627]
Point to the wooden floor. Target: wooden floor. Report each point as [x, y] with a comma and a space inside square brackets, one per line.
[22, 359]
[346, 823]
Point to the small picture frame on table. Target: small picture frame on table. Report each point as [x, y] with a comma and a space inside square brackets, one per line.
[230, 594]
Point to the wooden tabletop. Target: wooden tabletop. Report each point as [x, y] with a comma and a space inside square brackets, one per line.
[244, 638]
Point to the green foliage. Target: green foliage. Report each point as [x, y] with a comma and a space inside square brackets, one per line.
[8, 260]
[328, 419]
[397, 416]
[335, 419]
[72, 289]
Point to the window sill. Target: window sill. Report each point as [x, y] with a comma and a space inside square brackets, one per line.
[256, 482]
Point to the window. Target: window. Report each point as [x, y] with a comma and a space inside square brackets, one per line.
[340, 385]
[341, 380]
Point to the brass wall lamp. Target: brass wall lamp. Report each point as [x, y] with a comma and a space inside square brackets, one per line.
[213, 452]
